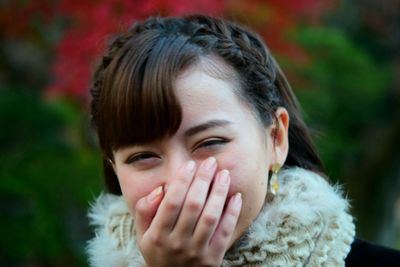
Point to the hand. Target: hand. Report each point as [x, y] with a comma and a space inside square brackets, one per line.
[184, 226]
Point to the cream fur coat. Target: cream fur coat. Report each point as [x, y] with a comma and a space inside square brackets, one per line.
[306, 224]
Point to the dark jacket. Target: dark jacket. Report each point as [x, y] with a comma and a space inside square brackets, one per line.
[366, 254]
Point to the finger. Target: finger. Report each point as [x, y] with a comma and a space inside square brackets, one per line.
[171, 205]
[146, 209]
[223, 234]
[212, 211]
[196, 198]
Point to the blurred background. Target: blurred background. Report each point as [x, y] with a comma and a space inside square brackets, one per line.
[342, 58]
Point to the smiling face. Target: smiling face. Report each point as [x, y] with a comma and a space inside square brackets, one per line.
[215, 122]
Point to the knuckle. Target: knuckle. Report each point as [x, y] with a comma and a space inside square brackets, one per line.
[220, 190]
[140, 206]
[232, 213]
[210, 219]
[193, 254]
[171, 205]
[183, 179]
[156, 239]
[177, 246]
[197, 253]
[203, 176]
[225, 232]
[194, 205]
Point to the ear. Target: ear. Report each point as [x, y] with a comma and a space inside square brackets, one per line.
[280, 135]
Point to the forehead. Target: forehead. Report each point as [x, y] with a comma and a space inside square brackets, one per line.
[204, 96]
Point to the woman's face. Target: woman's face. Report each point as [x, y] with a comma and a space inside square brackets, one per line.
[214, 123]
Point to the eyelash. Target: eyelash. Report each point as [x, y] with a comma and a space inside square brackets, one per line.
[140, 157]
[210, 143]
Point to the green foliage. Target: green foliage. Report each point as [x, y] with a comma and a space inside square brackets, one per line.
[48, 171]
[50, 166]
[342, 90]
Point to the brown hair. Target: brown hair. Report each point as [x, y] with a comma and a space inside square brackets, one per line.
[133, 98]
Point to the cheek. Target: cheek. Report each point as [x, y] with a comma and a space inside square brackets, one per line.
[249, 177]
[134, 186]
[248, 173]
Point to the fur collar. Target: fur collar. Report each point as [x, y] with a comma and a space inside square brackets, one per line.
[306, 224]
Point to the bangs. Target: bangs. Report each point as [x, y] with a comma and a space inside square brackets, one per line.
[138, 104]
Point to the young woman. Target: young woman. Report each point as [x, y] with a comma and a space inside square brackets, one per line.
[207, 159]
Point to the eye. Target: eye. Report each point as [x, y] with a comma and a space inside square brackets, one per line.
[142, 158]
[212, 143]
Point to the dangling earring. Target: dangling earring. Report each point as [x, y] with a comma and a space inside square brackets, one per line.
[273, 181]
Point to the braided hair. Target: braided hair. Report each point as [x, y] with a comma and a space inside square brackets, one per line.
[133, 100]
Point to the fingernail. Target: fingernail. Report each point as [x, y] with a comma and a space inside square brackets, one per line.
[237, 199]
[210, 162]
[190, 166]
[224, 177]
[155, 193]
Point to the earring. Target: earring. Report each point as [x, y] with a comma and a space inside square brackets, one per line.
[274, 183]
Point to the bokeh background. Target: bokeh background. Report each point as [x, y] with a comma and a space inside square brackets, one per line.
[342, 58]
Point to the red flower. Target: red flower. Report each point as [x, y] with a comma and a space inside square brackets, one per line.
[93, 21]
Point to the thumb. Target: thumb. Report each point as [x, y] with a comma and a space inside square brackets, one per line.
[146, 209]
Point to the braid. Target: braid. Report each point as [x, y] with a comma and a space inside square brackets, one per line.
[235, 44]
[101, 69]
[244, 50]
[265, 84]
[133, 75]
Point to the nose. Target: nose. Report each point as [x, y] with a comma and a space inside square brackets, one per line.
[175, 161]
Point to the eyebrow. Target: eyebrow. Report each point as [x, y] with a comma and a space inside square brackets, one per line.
[205, 126]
